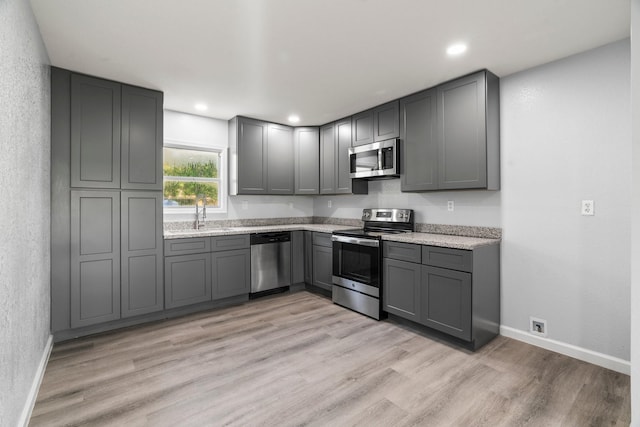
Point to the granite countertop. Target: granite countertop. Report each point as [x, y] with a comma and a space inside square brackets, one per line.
[433, 239]
[226, 231]
[443, 240]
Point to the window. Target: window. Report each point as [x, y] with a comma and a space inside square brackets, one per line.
[191, 171]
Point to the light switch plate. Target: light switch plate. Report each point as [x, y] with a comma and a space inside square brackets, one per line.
[588, 207]
[450, 205]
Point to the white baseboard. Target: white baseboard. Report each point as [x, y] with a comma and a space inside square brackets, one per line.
[600, 359]
[35, 386]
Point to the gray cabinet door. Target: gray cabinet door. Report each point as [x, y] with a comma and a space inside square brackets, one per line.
[322, 267]
[362, 128]
[462, 134]
[141, 250]
[252, 153]
[95, 132]
[141, 167]
[95, 257]
[402, 288]
[445, 301]
[297, 257]
[308, 257]
[230, 273]
[327, 159]
[342, 164]
[418, 142]
[279, 165]
[307, 160]
[187, 279]
[386, 121]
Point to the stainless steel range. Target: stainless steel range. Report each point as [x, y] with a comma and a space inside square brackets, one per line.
[357, 259]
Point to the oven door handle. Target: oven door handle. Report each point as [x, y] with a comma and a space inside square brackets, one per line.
[355, 241]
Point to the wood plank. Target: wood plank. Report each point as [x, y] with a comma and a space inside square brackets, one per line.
[297, 359]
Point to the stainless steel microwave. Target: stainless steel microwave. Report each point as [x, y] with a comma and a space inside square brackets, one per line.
[375, 161]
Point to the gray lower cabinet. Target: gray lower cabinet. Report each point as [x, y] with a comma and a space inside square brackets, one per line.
[141, 253]
[445, 301]
[95, 257]
[454, 291]
[230, 273]
[322, 260]
[451, 135]
[402, 288]
[297, 257]
[187, 279]
[201, 269]
[306, 148]
[308, 257]
[322, 267]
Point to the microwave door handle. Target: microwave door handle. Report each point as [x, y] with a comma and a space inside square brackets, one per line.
[379, 159]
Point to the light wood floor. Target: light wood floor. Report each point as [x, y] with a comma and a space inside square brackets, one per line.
[297, 359]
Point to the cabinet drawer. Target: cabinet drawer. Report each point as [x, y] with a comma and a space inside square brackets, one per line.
[455, 259]
[402, 251]
[229, 243]
[193, 245]
[322, 239]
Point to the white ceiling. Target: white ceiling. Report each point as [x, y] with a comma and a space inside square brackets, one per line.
[320, 59]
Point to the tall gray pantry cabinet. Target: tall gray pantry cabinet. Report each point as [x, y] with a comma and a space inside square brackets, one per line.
[106, 201]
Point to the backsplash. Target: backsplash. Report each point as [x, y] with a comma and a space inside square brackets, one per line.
[454, 230]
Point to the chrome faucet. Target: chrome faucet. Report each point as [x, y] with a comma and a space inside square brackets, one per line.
[201, 212]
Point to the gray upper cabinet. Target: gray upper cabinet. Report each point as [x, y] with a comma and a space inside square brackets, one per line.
[454, 144]
[362, 128]
[386, 122]
[141, 160]
[95, 132]
[262, 157]
[419, 147]
[95, 257]
[335, 140]
[252, 155]
[141, 253]
[306, 148]
[280, 157]
[327, 159]
[376, 124]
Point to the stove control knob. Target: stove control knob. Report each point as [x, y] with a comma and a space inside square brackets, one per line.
[401, 215]
[367, 214]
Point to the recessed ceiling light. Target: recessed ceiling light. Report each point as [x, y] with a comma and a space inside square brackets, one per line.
[201, 107]
[456, 49]
[294, 119]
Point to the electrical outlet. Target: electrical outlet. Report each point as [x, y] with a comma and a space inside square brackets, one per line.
[450, 206]
[245, 205]
[538, 326]
[588, 207]
[329, 204]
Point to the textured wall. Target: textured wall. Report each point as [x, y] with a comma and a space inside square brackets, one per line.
[25, 201]
[566, 136]
[635, 217]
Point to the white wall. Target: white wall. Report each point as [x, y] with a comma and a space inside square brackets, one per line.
[566, 136]
[635, 217]
[24, 217]
[479, 208]
[206, 131]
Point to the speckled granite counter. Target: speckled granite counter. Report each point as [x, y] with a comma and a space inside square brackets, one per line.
[442, 240]
[225, 231]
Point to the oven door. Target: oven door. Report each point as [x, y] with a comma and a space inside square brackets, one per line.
[356, 264]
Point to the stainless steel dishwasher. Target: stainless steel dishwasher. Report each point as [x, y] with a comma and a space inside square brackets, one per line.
[270, 261]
